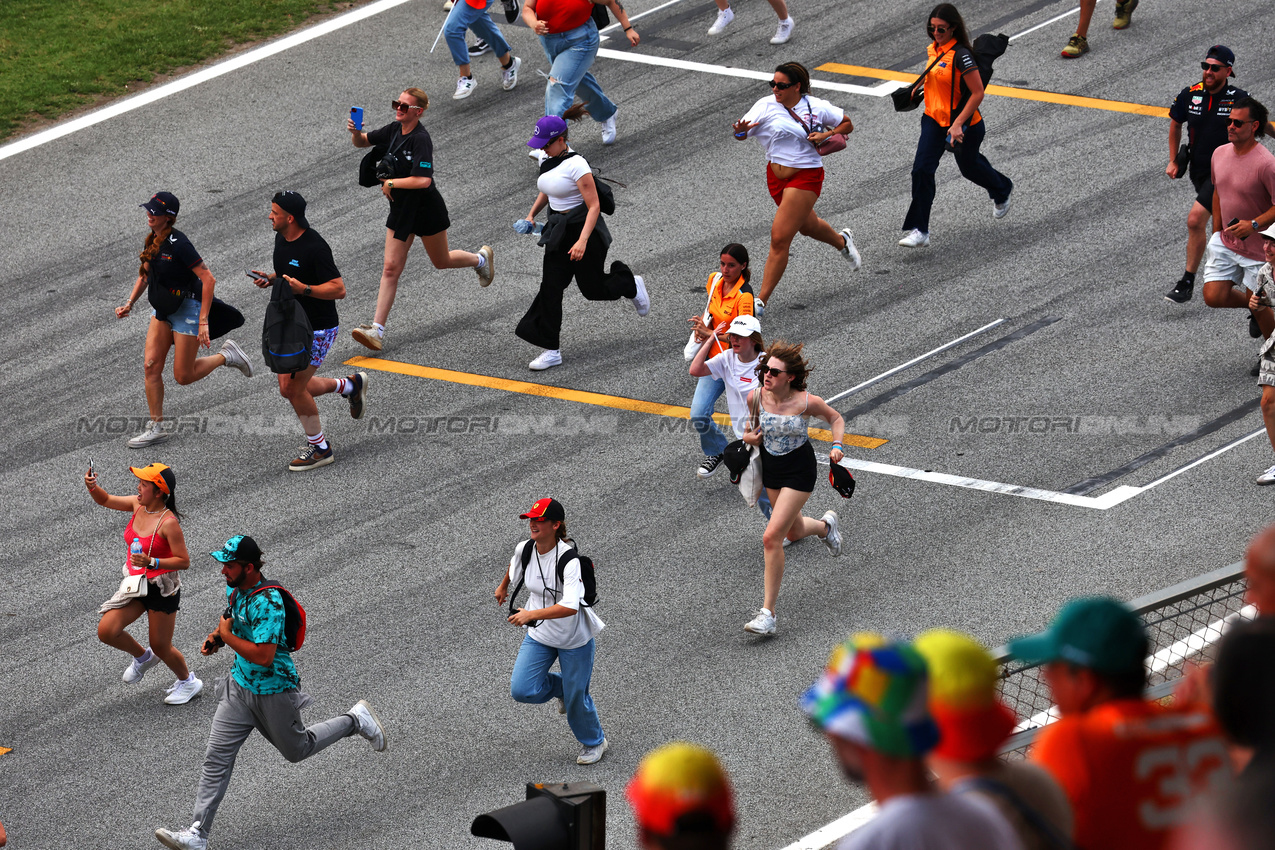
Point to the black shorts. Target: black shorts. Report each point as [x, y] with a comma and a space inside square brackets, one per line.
[424, 213]
[796, 470]
[152, 601]
[1203, 190]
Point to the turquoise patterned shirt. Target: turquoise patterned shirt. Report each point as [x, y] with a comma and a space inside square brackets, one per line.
[260, 619]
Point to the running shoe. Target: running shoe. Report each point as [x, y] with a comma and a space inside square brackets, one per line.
[235, 358]
[478, 48]
[1077, 46]
[592, 755]
[448, 4]
[312, 458]
[608, 130]
[915, 239]
[137, 669]
[1000, 210]
[850, 252]
[1267, 477]
[759, 307]
[153, 434]
[369, 725]
[487, 271]
[1181, 291]
[546, 360]
[832, 539]
[358, 396]
[186, 839]
[464, 87]
[784, 32]
[764, 623]
[369, 337]
[724, 17]
[1124, 14]
[184, 690]
[709, 466]
[509, 76]
[511, 10]
[641, 301]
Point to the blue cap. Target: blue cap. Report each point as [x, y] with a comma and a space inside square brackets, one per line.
[162, 203]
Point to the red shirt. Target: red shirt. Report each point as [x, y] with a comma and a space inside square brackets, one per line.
[563, 15]
[159, 548]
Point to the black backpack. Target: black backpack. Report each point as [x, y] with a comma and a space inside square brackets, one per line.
[286, 334]
[293, 613]
[606, 197]
[586, 575]
[987, 49]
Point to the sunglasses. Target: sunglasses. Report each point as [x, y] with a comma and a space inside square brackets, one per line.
[1236, 122]
[1209, 66]
[772, 371]
[398, 104]
[931, 29]
[775, 84]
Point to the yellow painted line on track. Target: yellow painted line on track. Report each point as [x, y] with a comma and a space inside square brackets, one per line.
[597, 399]
[1008, 91]
[4, 750]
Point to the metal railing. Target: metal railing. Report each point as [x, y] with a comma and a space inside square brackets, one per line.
[1183, 624]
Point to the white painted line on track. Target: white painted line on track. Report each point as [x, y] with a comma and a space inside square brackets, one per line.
[1053, 20]
[1208, 456]
[836, 830]
[234, 63]
[913, 361]
[727, 71]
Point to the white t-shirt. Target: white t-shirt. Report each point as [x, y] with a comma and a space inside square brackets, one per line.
[783, 137]
[542, 580]
[740, 379]
[560, 184]
[934, 822]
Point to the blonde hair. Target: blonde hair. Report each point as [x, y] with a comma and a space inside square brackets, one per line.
[422, 99]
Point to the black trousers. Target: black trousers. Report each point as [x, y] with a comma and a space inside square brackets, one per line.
[543, 321]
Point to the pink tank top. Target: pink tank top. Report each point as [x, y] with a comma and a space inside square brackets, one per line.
[158, 548]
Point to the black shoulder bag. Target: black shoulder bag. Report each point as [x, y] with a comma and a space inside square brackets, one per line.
[905, 100]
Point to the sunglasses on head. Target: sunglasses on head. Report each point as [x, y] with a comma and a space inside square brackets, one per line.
[775, 84]
[1209, 66]
[398, 104]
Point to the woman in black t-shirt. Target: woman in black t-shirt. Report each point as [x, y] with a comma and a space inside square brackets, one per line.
[180, 289]
[416, 207]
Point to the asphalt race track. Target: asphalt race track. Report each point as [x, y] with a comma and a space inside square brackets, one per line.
[1015, 472]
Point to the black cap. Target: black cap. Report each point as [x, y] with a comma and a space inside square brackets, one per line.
[241, 547]
[162, 203]
[1223, 54]
[546, 509]
[736, 458]
[294, 205]
[841, 480]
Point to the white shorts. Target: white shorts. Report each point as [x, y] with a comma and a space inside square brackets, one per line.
[1225, 264]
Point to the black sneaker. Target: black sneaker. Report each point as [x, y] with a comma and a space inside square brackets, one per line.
[1257, 368]
[1181, 291]
[511, 10]
[359, 395]
[312, 458]
[709, 466]
[1254, 329]
[478, 48]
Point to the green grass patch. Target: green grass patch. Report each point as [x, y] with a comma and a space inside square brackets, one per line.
[58, 55]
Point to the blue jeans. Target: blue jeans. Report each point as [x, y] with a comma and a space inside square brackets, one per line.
[533, 683]
[974, 167]
[464, 16]
[571, 54]
[711, 439]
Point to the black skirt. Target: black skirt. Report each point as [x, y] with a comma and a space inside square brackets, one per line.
[417, 212]
[796, 470]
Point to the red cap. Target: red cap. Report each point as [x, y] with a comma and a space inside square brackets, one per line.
[546, 509]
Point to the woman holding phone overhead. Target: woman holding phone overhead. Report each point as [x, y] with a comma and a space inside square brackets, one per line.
[790, 124]
[953, 92]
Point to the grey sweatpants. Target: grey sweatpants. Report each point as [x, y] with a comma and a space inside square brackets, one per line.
[277, 717]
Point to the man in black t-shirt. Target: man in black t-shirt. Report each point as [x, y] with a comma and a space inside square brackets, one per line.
[303, 262]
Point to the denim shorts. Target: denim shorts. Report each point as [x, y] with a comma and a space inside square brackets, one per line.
[186, 319]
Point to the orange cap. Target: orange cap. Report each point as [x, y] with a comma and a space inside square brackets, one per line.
[158, 474]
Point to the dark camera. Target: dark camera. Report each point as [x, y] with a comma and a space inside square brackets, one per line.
[390, 166]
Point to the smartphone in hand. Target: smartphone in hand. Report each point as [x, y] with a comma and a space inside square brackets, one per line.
[356, 115]
[257, 275]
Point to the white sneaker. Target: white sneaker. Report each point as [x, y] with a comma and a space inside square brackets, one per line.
[641, 301]
[787, 542]
[188, 839]
[724, 17]
[850, 252]
[608, 130]
[369, 725]
[915, 239]
[464, 87]
[486, 272]
[153, 434]
[369, 336]
[1267, 477]
[183, 692]
[759, 307]
[137, 669]
[509, 76]
[1000, 210]
[547, 360]
[784, 32]
[762, 624]
[235, 358]
[833, 538]
[447, 5]
[592, 755]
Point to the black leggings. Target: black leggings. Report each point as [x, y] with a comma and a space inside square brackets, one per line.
[543, 321]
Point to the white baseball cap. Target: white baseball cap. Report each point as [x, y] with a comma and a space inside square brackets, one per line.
[1268, 233]
[748, 325]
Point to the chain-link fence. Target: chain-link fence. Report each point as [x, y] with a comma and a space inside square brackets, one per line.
[1183, 624]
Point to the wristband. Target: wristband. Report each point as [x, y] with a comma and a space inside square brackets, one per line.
[155, 563]
[742, 135]
[626, 29]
